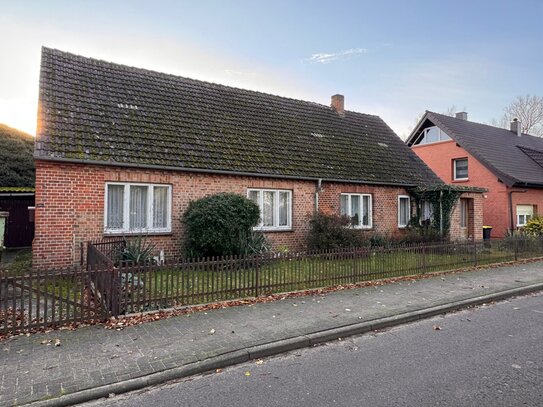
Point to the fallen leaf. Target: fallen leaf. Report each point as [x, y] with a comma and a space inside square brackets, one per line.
[516, 366]
[259, 362]
[45, 341]
[218, 370]
[347, 309]
[57, 342]
[212, 332]
[247, 374]
[436, 328]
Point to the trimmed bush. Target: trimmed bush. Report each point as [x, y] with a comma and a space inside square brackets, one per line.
[222, 225]
[333, 232]
[534, 227]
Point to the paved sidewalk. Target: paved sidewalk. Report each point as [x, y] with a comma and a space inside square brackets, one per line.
[93, 356]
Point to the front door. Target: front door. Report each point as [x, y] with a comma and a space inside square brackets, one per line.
[464, 218]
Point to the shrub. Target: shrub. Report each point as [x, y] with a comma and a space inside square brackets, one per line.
[534, 227]
[421, 234]
[222, 225]
[137, 250]
[333, 232]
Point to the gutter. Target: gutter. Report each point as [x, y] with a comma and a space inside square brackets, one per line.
[18, 194]
[220, 172]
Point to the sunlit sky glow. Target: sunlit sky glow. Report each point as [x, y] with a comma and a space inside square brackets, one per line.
[390, 58]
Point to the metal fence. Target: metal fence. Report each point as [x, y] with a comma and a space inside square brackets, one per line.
[57, 297]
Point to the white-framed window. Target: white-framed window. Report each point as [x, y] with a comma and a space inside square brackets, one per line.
[404, 210]
[358, 207]
[433, 135]
[460, 169]
[137, 208]
[275, 208]
[524, 214]
[426, 211]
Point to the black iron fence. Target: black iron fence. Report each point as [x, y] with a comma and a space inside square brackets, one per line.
[56, 297]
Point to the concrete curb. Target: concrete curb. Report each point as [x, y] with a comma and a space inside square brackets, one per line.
[273, 348]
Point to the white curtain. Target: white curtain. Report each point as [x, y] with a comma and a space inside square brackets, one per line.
[160, 207]
[344, 205]
[404, 211]
[138, 207]
[268, 212]
[115, 206]
[365, 210]
[283, 208]
[355, 210]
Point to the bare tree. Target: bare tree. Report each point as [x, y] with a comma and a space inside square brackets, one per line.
[529, 111]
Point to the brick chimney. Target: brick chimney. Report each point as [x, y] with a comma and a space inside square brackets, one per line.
[515, 127]
[462, 115]
[338, 104]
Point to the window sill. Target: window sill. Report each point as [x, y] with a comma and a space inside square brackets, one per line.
[265, 230]
[141, 233]
[402, 227]
[460, 180]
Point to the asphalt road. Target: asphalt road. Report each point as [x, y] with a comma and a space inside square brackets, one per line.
[488, 356]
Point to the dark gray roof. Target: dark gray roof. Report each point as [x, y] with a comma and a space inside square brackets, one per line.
[517, 161]
[100, 112]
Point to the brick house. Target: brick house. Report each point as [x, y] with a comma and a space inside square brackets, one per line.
[122, 150]
[507, 163]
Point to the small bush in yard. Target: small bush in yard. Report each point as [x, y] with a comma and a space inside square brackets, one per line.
[137, 250]
[333, 232]
[222, 225]
[534, 227]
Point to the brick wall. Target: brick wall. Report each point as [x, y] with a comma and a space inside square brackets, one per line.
[384, 202]
[70, 205]
[496, 213]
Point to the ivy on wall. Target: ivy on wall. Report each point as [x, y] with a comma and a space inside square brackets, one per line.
[443, 199]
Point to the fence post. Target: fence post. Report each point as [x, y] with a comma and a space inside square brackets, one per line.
[475, 252]
[257, 266]
[423, 258]
[116, 292]
[515, 240]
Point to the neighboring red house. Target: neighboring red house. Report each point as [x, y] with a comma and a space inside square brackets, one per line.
[505, 162]
[121, 150]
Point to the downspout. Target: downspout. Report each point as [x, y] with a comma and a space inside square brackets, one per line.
[441, 213]
[317, 190]
[511, 217]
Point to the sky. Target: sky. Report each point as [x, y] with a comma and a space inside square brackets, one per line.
[394, 59]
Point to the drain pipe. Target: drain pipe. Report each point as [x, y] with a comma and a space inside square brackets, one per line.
[441, 213]
[511, 217]
[317, 190]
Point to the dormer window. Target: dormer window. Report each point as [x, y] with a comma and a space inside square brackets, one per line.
[433, 135]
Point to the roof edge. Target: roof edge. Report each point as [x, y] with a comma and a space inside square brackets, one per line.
[221, 172]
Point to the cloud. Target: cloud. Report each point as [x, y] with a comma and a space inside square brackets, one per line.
[239, 73]
[326, 58]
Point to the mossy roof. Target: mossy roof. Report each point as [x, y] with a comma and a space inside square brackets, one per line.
[101, 112]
